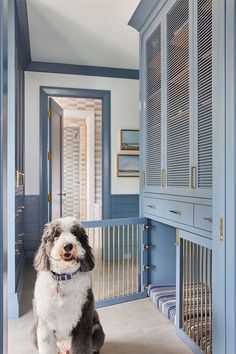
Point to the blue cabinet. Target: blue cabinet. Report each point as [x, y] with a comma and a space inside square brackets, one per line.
[176, 126]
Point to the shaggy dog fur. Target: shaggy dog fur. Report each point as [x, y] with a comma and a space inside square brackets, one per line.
[65, 315]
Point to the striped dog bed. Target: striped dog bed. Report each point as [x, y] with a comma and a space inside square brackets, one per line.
[164, 298]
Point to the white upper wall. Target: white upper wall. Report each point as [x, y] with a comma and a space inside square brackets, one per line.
[85, 32]
[124, 114]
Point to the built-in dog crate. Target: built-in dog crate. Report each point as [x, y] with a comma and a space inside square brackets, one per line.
[194, 293]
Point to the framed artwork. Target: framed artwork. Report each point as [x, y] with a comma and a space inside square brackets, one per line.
[127, 165]
[129, 139]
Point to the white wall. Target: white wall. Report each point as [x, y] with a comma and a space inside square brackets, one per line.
[124, 114]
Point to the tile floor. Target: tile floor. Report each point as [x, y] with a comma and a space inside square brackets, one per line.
[132, 328]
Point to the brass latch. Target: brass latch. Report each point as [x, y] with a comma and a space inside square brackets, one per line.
[49, 198]
[49, 155]
[49, 114]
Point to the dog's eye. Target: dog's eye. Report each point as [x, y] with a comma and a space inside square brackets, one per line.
[56, 235]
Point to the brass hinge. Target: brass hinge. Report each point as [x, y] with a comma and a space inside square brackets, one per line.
[148, 246]
[49, 114]
[49, 198]
[221, 229]
[177, 238]
[49, 155]
[148, 266]
[147, 226]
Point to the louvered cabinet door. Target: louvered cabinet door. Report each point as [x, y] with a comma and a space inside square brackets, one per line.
[153, 121]
[203, 127]
[178, 125]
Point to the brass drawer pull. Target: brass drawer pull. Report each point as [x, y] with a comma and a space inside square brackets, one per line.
[151, 206]
[178, 212]
[207, 218]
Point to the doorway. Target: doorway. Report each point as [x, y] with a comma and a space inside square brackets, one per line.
[75, 161]
[87, 179]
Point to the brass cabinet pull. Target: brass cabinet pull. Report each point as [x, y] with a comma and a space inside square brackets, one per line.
[207, 218]
[151, 206]
[193, 177]
[221, 229]
[163, 178]
[178, 212]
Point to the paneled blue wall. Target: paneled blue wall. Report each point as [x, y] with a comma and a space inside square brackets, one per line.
[31, 225]
[122, 206]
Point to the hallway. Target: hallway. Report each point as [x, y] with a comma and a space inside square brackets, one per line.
[130, 328]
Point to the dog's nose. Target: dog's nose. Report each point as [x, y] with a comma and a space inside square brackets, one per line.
[68, 247]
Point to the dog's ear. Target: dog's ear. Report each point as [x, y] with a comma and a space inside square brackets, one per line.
[41, 261]
[87, 263]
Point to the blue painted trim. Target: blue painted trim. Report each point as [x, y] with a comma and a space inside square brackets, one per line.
[23, 32]
[121, 300]
[105, 96]
[142, 13]
[114, 222]
[11, 148]
[13, 306]
[195, 349]
[230, 175]
[3, 174]
[202, 241]
[72, 69]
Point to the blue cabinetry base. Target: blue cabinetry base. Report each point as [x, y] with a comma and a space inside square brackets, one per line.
[188, 342]
[15, 298]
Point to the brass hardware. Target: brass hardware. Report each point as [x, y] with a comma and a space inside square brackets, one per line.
[221, 229]
[207, 218]
[151, 206]
[148, 266]
[49, 114]
[193, 177]
[19, 242]
[146, 287]
[49, 198]
[177, 238]
[148, 246]
[163, 182]
[178, 212]
[142, 178]
[17, 179]
[23, 179]
[49, 155]
[20, 179]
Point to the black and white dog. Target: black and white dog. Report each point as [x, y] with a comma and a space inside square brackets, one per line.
[65, 315]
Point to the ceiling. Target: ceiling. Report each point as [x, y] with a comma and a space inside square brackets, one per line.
[83, 32]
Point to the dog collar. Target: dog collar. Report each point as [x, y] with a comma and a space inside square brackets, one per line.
[64, 276]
